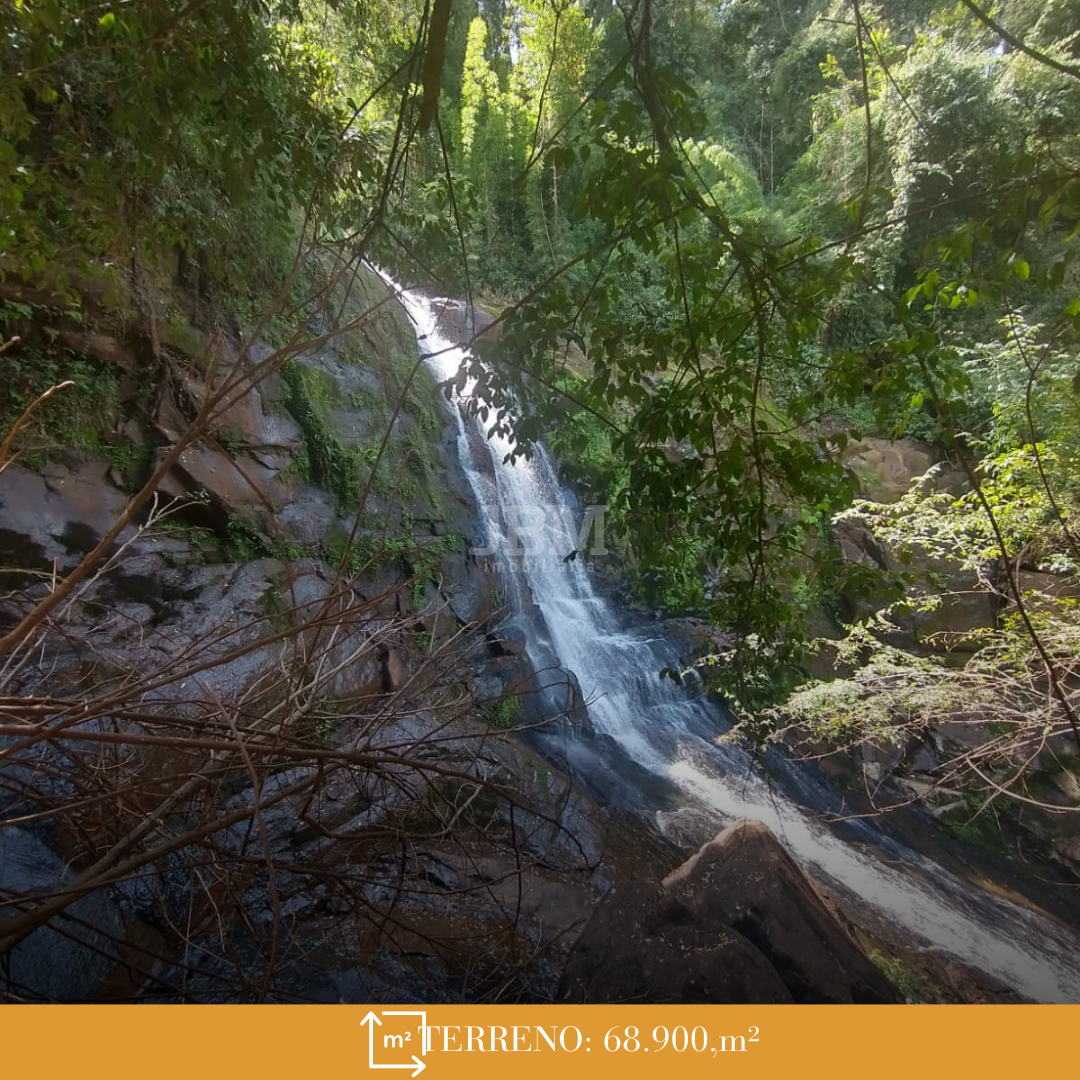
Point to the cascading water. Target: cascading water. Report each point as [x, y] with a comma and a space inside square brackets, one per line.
[656, 748]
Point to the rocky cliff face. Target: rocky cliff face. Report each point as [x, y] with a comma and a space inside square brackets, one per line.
[334, 456]
[274, 676]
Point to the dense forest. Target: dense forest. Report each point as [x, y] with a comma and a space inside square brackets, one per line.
[724, 247]
[743, 232]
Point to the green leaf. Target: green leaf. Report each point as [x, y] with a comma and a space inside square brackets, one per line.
[1021, 269]
[107, 20]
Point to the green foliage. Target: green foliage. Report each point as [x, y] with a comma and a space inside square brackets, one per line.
[887, 697]
[505, 713]
[309, 395]
[83, 416]
[906, 979]
[370, 550]
[128, 459]
[206, 129]
[585, 446]
[1020, 489]
[243, 541]
[774, 233]
[888, 690]
[312, 394]
[977, 822]
[417, 594]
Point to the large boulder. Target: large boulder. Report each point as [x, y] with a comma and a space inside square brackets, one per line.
[69, 958]
[56, 517]
[1043, 592]
[738, 922]
[966, 601]
[746, 880]
[461, 321]
[642, 946]
[886, 469]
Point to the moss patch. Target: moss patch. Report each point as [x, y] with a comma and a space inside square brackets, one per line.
[310, 394]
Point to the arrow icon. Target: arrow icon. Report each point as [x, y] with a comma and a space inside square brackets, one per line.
[371, 1019]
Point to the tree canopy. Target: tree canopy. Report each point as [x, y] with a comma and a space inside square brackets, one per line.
[732, 235]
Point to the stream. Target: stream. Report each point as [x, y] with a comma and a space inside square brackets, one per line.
[655, 748]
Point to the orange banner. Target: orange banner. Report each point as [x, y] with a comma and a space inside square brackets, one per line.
[522, 1042]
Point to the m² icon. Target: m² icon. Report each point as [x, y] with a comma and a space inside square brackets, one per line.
[392, 1040]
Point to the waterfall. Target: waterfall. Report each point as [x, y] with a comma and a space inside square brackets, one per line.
[656, 746]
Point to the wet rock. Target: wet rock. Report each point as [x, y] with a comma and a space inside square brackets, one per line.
[471, 588]
[550, 694]
[746, 880]
[644, 946]
[59, 515]
[459, 321]
[574, 702]
[504, 665]
[306, 517]
[924, 758]
[737, 922]
[880, 761]
[508, 640]
[487, 689]
[69, 959]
